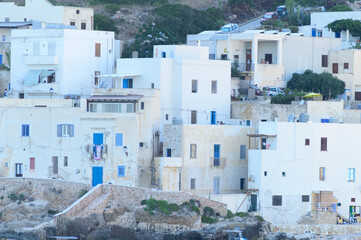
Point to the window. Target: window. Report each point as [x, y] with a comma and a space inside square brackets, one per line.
[277, 200]
[25, 19]
[72, 23]
[193, 117]
[25, 130]
[353, 199]
[97, 49]
[212, 56]
[214, 87]
[322, 173]
[127, 83]
[6, 164]
[323, 144]
[121, 171]
[65, 130]
[142, 105]
[307, 142]
[324, 60]
[265, 173]
[242, 183]
[169, 152]
[248, 122]
[21, 95]
[283, 174]
[166, 117]
[194, 86]
[96, 78]
[32, 163]
[351, 175]
[83, 25]
[335, 68]
[55, 164]
[193, 153]
[152, 85]
[119, 139]
[164, 54]
[345, 66]
[65, 161]
[7, 19]
[141, 144]
[193, 183]
[305, 198]
[3, 38]
[243, 151]
[216, 154]
[130, 108]
[236, 58]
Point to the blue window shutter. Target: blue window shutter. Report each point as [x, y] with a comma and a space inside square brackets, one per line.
[71, 134]
[216, 151]
[23, 130]
[59, 130]
[121, 171]
[97, 138]
[27, 130]
[119, 139]
[1, 59]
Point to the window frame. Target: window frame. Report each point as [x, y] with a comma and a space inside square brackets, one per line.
[121, 171]
[193, 152]
[323, 144]
[276, 200]
[305, 198]
[32, 163]
[214, 87]
[117, 140]
[346, 66]
[194, 86]
[25, 130]
[322, 174]
[61, 128]
[324, 61]
[351, 174]
[97, 50]
[193, 184]
[307, 142]
[243, 154]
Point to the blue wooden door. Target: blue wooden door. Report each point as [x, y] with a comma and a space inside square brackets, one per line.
[98, 139]
[97, 176]
[125, 83]
[213, 117]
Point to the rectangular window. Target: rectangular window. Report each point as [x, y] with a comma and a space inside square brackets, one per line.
[193, 117]
[242, 183]
[283, 174]
[32, 163]
[152, 85]
[194, 86]
[265, 173]
[214, 87]
[65, 130]
[345, 66]
[351, 175]
[72, 23]
[307, 142]
[130, 107]
[324, 60]
[193, 183]
[7, 19]
[164, 54]
[55, 164]
[169, 152]
[305, 198]
[353, 199]
[65, 161]
[193, 153]
[142, 105]
[141, 144]
[166, 117]
[323, 144]
[3, 38]
[96, 78]
[216, 154]
[335, 68]
[121, 171]
[128, 83]
[243, 151]
[25, 130]
[83, 25]
[322, 173]
[119, 139]
[277, 200]
[97, 49]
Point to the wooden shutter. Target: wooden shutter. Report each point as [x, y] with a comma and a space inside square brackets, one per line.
[194, 117]
[243, 151]
[55, 165]
[119, 139]
[32, 163]
[323, 144]
[97, 49]
[59, 128]
[71, 130]
[277, 200]
[335, 68]
[324, 60]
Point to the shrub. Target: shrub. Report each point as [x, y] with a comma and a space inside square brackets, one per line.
[52, 212]
[143, 202]
[13, 197]
[259, 218]
[242, 214]
[146, 209]
[151, 204]
[192, 202]
[151, 213]
[2, 197]
[173, 207]
[230, 214]
[82, 192]
[112, 8]
[208, 211]
[164, 210]
[195, 209]
[186, 204]
[21, 197]
[209, 220]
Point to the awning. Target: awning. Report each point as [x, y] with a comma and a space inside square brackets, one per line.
[46, 73]
[32, 78]
[114, 98]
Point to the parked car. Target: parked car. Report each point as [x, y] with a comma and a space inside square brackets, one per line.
[269, 16]
[273, 91]
[257, 91]
[229, 27]
[281, 11]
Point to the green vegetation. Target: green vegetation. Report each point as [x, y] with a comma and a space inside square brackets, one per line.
[13, 197]
[195, 209]
[287, 98]
[160, 205]
[82, 192]
[242, 214]
[112, 8]
[324, 83]
[104, 23]
[259, 218]
[21, 197]
[340, 8]
[2, 197]
[234, 69]
[130, 2]
[169, 27]
[52, 212]
[230, 214]
[354, 26]
[208, 211]
[209, 220]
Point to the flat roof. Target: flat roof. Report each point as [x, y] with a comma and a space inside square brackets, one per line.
[110, 98]
[14, 24]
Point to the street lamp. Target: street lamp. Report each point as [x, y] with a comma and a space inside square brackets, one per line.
[51, 90]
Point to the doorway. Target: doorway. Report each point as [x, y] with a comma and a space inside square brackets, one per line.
[268, 58]
[18, 169]
[97, 176]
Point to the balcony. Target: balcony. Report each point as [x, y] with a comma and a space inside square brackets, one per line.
[41, 60]
[43, 88]
[246, 67]
[217, 162]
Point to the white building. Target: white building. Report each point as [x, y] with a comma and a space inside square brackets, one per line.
[298, 168]
[108, 138]
[43, 10]
[194, 89]
[52, 63]
[269, 57]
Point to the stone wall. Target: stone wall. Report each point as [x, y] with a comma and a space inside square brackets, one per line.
[96, 200]
[173, 140]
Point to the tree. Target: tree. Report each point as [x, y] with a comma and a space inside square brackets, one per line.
[354, 26]
[324, 83]
[340, 8]
[104, 23]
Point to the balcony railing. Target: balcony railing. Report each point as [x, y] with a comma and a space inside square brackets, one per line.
[246, 67]
[218, 162]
